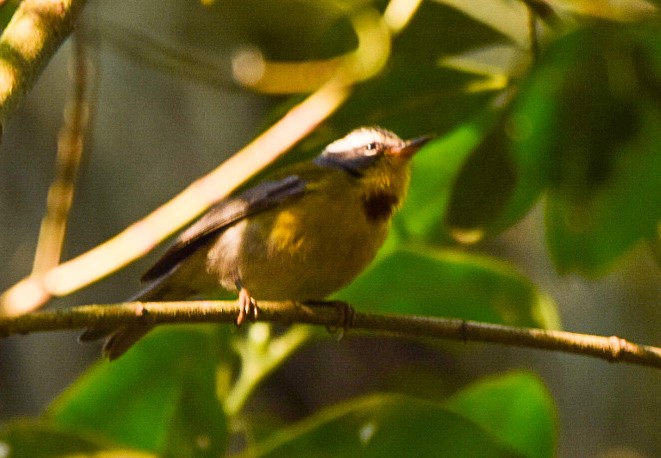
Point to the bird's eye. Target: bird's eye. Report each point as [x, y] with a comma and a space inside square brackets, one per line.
[371, 149]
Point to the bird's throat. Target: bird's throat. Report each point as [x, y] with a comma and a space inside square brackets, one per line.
[379, 206]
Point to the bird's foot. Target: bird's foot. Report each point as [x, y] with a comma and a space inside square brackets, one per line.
[345, 314]
[247, 307]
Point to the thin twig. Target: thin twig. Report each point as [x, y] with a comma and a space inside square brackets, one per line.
[613, 349]
[69, 154]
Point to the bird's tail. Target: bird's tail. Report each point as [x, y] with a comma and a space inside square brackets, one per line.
[119, 340]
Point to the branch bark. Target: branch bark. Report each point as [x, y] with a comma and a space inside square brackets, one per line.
[35, 32]
[613, 348]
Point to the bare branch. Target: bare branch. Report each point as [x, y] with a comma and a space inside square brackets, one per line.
[69, 156]
[613, 349]
[36, 30]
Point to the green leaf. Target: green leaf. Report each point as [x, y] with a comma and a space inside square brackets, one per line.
[433, 174]
[451, 284]
[516, 408]
[198, 426]
[159, 397]
[384, 425]
[589, 235]
[588, 128]
[35, 439]
[482, 188]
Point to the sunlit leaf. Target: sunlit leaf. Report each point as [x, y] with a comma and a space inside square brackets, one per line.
[499, 61]
[451, 284]
[508, 17]
[517, 408]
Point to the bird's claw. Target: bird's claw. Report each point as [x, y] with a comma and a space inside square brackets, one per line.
[247, 307]
[345, 316]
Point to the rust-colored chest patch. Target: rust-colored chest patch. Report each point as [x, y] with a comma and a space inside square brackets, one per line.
[379, 207]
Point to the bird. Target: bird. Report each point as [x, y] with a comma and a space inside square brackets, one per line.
[302, 234]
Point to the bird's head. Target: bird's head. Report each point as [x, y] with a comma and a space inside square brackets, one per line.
[367, 149]
[378, 161]
[374, 155]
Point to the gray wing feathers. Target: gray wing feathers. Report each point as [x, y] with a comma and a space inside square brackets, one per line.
[252, 201]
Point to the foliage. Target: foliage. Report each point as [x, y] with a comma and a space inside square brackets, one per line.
[575, 126]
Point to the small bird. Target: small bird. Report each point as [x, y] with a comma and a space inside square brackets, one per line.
[301, 235]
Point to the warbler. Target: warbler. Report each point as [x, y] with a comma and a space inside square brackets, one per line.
[301, 235]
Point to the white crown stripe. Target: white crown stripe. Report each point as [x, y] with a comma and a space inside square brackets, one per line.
[361, 138]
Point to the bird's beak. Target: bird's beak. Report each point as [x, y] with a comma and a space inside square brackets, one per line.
[411, 146]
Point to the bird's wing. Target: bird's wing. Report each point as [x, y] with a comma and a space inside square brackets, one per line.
[254, 200]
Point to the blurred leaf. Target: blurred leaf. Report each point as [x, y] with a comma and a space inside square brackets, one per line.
[588, 127]
[618, 10]
[411, 98]
[277, 29]
[199, 426]
[451, 284]
[433, 174]
[516, 408]
[495, 187]
[482, 188]
[384, 425]
[508, 17]
[461, 32]
[35, 439]
[543, 10]
[500, 61]
[261, 353]
[159, 395]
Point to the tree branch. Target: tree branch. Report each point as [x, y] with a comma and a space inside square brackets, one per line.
[36, 30]
[70, 148]
[613, 349]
